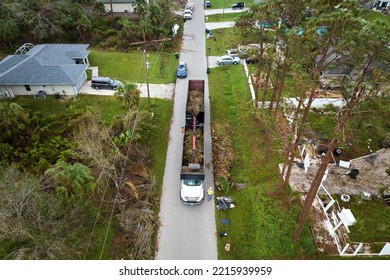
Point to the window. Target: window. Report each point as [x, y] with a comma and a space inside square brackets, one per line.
[28, 88]
[79, 61]
[192, 182]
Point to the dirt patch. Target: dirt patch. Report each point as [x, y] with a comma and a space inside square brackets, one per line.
[322, 238]
[372, 177]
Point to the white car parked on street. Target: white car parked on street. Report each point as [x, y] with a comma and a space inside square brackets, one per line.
[187, 14]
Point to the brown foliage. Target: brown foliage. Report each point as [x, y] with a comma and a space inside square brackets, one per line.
[190, 156]
[223, 153]
[195, 102]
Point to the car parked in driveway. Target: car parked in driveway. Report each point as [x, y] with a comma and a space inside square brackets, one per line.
[207, 4]
[104, 83]
[182, 70]
[228, 60]
[251, 60]
[239, 5]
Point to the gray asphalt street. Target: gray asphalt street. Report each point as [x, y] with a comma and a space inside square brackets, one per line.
[187, 232]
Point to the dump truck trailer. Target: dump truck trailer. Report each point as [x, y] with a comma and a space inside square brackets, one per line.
[192, 173]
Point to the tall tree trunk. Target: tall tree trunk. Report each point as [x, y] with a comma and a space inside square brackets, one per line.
[111, 10]
[274, 91]
[289, 148]
[266, 81]
[280, 85]
[315, 185]
[299, 133]
[258, 72]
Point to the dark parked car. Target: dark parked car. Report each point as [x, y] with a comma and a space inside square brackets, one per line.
[207, 4]
[251, 60]
[239, 5]
[104, 83]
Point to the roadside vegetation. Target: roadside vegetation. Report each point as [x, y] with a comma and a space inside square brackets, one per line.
[261, 223]
[72, 160]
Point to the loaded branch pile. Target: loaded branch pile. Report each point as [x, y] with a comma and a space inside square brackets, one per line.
[223, 153]
[188, 155]
[195, 102]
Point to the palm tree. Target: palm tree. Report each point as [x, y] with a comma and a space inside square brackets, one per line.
[139, 7]
[74, 179]
[130, 94]
[12, 118]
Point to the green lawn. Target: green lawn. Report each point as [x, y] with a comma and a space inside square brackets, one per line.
[220, 4]
[222, 17]
[130, 66]
[372, 219]
[261, 225]
[226, 38]
[372, 15]
[369, 121]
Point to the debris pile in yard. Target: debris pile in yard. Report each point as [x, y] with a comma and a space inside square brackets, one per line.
[189, 155]
[371, 178]
[223, 154]
[195, 103]
[260, 82]
[225, 203]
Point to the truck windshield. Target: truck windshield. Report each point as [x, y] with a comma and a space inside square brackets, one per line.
[192, 182]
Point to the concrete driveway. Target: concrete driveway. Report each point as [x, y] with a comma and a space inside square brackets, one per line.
[216, 25]
[164, 91]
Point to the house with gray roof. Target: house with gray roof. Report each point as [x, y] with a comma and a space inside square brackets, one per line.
[50, 68]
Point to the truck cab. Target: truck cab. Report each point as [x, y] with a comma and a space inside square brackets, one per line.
[192, 191]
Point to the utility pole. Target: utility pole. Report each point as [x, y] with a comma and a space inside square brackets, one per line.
[111, 9]
[147, 76]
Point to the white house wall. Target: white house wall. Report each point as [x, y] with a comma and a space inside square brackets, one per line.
[50, 90]
[119, 7]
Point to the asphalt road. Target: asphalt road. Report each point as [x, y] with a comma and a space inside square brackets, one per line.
[187, 232]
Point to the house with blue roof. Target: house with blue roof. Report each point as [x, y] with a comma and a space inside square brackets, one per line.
[50, 68]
